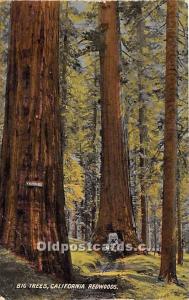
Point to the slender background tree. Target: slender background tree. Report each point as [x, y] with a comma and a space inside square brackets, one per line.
[168, 247]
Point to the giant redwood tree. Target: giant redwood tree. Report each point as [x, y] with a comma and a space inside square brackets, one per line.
[168, 251]
[115, 212]
[31, 188]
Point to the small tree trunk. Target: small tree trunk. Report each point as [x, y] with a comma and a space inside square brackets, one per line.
[94, 180]
[31, 190]
[155, 231]
[74, 220]
[168, 253]
[142, 125]
[179, 224]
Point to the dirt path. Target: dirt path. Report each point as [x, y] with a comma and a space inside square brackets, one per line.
[102, 279]
[98, 282]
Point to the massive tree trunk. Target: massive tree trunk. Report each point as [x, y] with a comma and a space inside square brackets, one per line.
[115, 213]
[142, 123]
[168, 257]
[31, 188]
[64, 54]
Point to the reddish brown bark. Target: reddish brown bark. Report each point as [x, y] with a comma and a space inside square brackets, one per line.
[115, 212]
[168, 257]
[31, 149]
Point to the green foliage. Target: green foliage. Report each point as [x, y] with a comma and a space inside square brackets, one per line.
[80, 111]
[73, 181]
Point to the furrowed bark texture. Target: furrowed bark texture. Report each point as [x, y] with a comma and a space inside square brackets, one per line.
[32, 150]
[168, 257]
[115, 213]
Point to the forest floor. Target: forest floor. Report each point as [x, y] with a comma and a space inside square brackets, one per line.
[136, 277]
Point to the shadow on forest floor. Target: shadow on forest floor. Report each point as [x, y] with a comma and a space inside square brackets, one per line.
[14, 270]
[135, 278]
